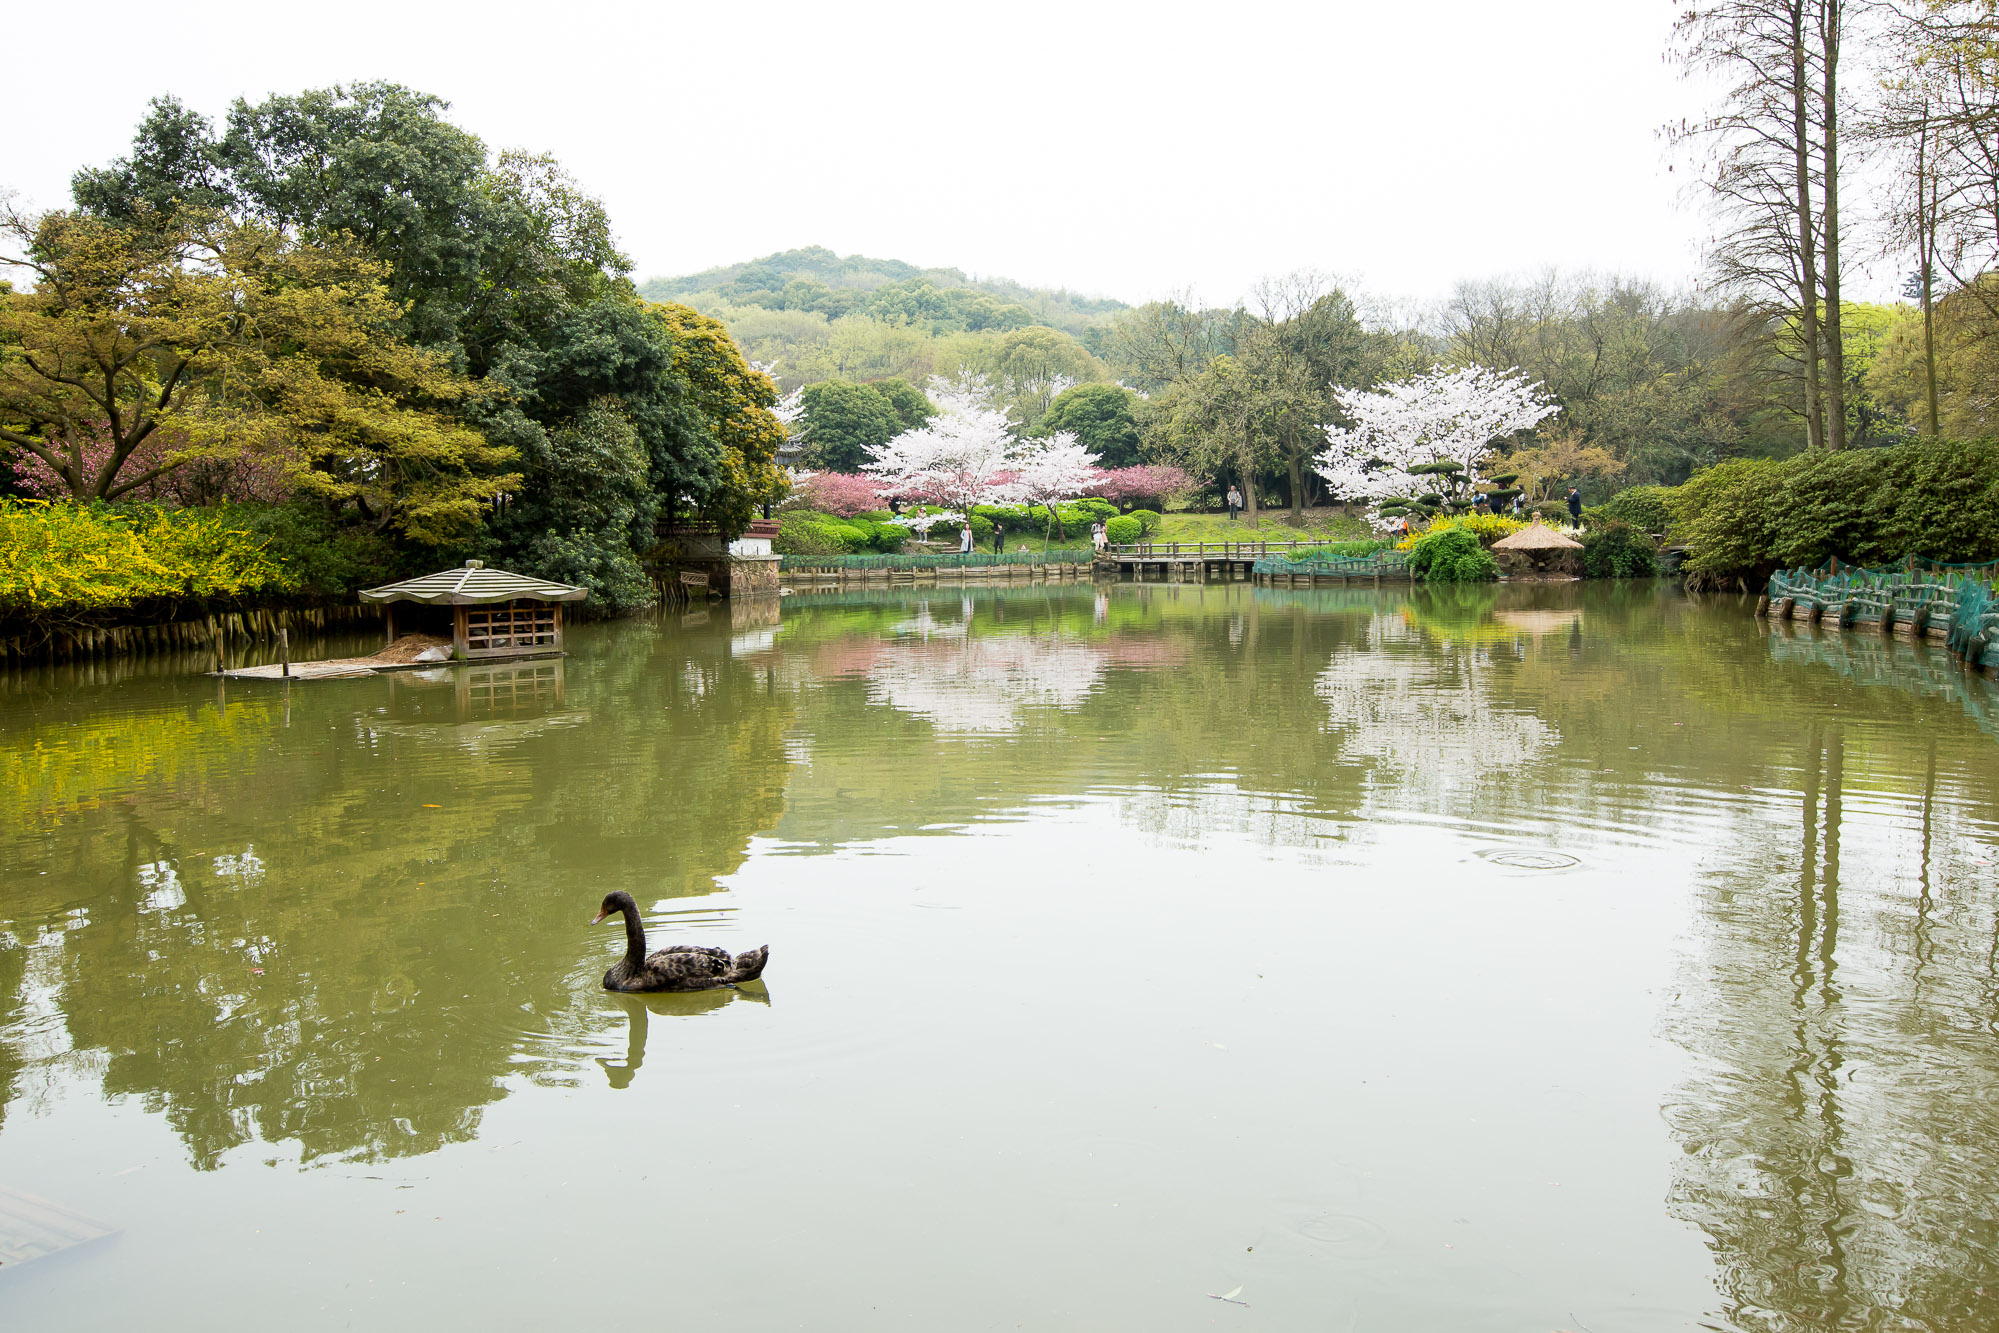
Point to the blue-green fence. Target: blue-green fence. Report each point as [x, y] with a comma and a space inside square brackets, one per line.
[1388, 564]
[1918, 594]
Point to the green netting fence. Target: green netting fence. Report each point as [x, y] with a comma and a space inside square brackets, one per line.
[1350, 567]
[1081, 556]
[1917, 593]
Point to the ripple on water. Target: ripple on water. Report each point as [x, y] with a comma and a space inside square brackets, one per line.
[1343, 1235]
[1530, 859]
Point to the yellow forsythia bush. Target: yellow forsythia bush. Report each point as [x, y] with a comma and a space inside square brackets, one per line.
[57, 557]
[1488, 528]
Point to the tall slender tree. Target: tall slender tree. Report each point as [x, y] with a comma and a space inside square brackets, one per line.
[1771, 163]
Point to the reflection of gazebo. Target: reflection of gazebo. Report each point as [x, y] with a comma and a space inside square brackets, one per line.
[492, 613]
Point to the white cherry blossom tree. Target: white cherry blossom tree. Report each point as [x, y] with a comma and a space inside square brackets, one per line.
[1437, 419]
[965, 456]
[1056, 469]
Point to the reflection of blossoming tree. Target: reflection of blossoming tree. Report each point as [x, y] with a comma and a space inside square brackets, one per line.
[980, 684]
[1421, 713]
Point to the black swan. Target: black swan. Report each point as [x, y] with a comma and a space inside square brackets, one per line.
[677, 967]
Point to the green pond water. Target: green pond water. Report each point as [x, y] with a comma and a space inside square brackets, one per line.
[1524, 958]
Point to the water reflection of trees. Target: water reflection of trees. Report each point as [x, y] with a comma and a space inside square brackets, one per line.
[350, 921]
[1837, 1138]
[415, 960]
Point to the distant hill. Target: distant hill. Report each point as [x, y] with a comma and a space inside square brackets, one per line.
[816, 279]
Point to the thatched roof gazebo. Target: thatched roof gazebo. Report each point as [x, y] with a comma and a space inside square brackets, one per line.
[493, 613]
[1541, 546]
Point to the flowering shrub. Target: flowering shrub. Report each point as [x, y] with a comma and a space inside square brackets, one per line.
[1127, 486]
[1488, 528]
[846, 494]
[67, 558]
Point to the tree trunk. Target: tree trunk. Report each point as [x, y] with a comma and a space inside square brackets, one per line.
[1808, 278]
[1297, 492]
[1248, 490]
[1830, 16]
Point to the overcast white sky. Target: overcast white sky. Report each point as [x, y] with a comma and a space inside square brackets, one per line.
[1128, 150]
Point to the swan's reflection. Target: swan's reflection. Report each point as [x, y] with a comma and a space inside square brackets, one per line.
[683, 1004]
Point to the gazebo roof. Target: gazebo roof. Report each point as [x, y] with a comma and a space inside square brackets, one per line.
[471, 586]
[1535, 537]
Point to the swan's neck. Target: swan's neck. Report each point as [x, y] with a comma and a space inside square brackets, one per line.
[635, 937]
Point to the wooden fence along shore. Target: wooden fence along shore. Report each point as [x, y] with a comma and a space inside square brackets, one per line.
[1958, 604]
[230, 630]
[1178, 562]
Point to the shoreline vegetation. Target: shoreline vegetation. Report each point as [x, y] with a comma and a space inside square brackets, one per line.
[311, 392]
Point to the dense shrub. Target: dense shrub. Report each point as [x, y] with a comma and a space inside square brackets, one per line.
[1451, 555]
[67, 558]
[1616, 550]
[1123, 529]
[803, 532]
[1643, 507]
[1933, 498]
[1147, 520]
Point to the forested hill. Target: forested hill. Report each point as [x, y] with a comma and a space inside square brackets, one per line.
[943, 300]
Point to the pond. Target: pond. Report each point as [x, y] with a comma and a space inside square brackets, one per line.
[1520, 958]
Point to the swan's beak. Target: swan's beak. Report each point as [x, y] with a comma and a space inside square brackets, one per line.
[599, 917]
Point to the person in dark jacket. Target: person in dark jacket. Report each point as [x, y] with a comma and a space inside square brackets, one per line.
[999, 537]
[1575, 505]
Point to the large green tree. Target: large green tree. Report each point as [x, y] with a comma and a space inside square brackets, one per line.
[842, 421]
[1103, 417]
[141, 349]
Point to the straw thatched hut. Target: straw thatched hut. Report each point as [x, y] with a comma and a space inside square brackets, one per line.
[1538, 549]
[490, 613]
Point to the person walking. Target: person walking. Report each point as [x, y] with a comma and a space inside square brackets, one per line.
[1100, 535]
[965, 539]
[1575, 505]
[1235, 502]
[999, 537]
[1517, 506]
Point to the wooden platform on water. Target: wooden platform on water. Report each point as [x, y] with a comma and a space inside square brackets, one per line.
[338, 668]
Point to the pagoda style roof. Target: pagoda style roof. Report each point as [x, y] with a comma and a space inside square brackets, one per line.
[472, 585]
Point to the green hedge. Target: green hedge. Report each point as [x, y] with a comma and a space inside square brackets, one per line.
[805, 532]
[1123, 530]
[1643, 507]
[1147, 520]
[1452, 555]
[1933, 498]
[1617, 550]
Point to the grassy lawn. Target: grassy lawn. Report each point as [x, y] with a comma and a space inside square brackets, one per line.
[1272, 525]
